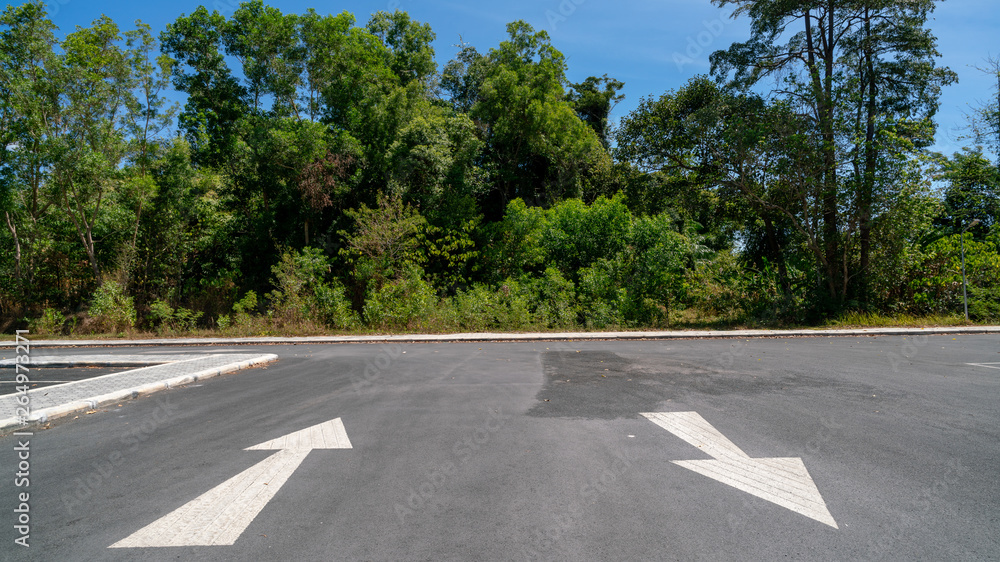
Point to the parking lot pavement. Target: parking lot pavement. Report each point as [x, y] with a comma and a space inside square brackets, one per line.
[833, 448]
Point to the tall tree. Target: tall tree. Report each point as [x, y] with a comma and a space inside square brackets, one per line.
[462, 78]
[149, 114]
[984, 120]
[323, 40]
[408, 43]
[29, 108]
[815, 47]
[216, 100]
[536, 147]
[266, 44]
[836, 39]
[593, 99]
[892, 97]
[96, 83]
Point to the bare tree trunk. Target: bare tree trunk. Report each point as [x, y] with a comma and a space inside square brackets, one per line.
[775, 249]
[84, 229]
[17, 246]
[822, 88]
[831, 231]
[868, 182]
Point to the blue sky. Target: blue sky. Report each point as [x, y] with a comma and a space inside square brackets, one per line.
[651, 46]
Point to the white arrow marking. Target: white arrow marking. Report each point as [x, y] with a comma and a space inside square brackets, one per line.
[220, 515]
[987, 365]
[783, 481]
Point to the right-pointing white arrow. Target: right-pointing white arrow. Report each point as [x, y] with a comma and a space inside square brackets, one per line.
[782, 481]
[220, 515]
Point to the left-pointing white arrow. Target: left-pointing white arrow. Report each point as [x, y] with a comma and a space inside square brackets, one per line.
[220, 515]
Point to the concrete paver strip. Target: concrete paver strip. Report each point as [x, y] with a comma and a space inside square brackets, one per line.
[98, 360]
[53, 401]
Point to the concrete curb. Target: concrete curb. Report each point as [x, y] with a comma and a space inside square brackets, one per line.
[508, 337]
[42, 416]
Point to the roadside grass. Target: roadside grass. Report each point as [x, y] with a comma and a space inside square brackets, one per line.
[444, 321]
[875, 320]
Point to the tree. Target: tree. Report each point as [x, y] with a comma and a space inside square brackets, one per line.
[463, 76]
[95, 82]
[149, 114]
[857, 70]
[28, 124]
[535, 146]
[432, 160]
[82, 117]
[984, 120]
[216, 100]
[266, 44]
[757, 159]
[892, 97]
[593, 99]
[973, 192]
[323, 38]
[408, 44]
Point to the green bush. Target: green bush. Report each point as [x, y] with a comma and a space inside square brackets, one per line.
[553, 301]
[49, 324]
[714, 286]
[403, 303]
[448, 255]
[384, 243]
[167, 319]
[295, 276]
[246, 305]
[505, 306]
[577, 234]
[651, 270]
[984, 304]
[933, 283]
[474, 309]
[111, 309]
[600, 296]
[512, 246]
[161, 312]
[513, 310]
[333, 308]
[243, 319]
[303, 295]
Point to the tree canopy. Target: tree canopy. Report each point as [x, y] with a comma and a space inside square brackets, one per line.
[326, 174]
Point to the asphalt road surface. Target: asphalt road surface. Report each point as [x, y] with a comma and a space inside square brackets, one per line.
[860, 448]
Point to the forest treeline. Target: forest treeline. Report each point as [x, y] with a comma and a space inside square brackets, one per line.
[326, 175]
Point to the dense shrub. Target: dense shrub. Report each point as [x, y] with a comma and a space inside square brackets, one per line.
[933, 284]
[404, 303]
[505, 306]
[577, 235]
[167, 319]
[600, 295]
[111, 309]
[513, 245]
[49, 324]
[553, 300]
